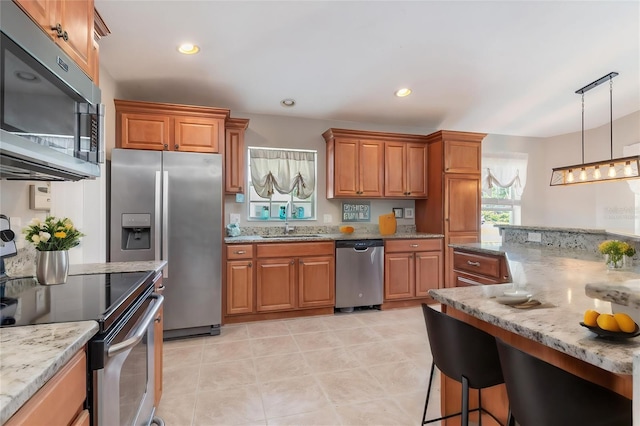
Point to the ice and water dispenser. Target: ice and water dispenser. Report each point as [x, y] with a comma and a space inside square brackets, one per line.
[136, 231]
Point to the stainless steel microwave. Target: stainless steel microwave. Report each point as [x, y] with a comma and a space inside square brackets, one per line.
[51, 119]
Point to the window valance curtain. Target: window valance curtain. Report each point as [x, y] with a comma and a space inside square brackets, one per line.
[282, 171]
[505, 170]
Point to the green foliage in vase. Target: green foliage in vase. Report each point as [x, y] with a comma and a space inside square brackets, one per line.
[616, 249]
[52, 234]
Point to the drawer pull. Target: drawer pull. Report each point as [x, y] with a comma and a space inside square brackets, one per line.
[249, 265]
[239, 252]
[413, 245]
[470, 263]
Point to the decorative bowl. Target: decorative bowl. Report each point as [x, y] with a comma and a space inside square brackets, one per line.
[613, 335]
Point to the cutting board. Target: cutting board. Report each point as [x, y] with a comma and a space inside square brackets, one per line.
[387, 224]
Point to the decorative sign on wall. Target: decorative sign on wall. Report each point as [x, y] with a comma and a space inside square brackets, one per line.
[359, 211]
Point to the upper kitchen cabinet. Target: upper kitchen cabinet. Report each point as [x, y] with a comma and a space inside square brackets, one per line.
[169, 127]
[454, 187]
[363, 164]
[70, 23]
[234, 153]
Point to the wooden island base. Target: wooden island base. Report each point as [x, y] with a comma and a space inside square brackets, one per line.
[495, 399]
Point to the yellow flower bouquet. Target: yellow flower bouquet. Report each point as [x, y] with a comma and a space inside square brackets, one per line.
[52, 234]
[615, 250]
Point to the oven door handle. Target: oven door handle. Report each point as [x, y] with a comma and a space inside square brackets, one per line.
[139, 333]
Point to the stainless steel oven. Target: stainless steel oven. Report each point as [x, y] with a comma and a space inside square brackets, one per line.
[123, 386]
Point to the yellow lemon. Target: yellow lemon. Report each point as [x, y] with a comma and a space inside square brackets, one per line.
[590, 317]
[607, 322]
[625, 322]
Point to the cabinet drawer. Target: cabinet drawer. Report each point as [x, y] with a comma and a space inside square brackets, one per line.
[239, 251]
[477, 264]
[294, 249]
[392, 246]
[464, 280]
[60, 400]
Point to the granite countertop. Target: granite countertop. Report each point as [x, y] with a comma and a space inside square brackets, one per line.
[556, 277]
[28, 270]
[31, 355]
[248, 239]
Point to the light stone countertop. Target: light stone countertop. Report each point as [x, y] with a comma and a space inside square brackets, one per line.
[557, 277]
[31, 355]
[249, 239]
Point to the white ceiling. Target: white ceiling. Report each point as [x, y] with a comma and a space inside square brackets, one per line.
[503, 67]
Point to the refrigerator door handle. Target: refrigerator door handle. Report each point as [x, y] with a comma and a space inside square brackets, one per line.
[165, 222]
[157, 217]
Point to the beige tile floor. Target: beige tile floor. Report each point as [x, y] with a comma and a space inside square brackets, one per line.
[364, 368]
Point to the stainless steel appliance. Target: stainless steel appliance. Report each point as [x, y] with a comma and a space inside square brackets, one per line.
[120, 355]
[359, 273]
[51, 120]
[168, 205]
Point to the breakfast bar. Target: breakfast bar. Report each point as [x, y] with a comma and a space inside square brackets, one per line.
[558, 279]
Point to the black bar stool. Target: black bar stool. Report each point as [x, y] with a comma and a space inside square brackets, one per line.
[543, 394]
[465, 354]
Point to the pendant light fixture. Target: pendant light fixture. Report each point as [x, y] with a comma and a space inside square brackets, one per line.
[600, 171]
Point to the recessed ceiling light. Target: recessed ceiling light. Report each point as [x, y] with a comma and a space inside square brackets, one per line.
[188, 49]
[26, 76]
[401, 93]
[288, 102]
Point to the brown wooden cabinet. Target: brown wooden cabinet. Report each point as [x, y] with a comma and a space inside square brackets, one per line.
[474, 268]
[69, 23]
[412, 268]
[239, 278]
[276, 284]
[234, 152]
[158, 346]
[454, 188]
[61, 400]
[405, 170]
[169, 127]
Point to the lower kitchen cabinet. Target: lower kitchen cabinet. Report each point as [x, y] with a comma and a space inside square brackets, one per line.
[472, 268]
[158, 347]
[61, 400]
[286, 278]
[412, 268]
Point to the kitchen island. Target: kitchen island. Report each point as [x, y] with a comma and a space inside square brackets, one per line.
[551, 331]
[31, 355]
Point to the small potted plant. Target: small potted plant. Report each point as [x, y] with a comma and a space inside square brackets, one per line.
[615, 251]
[52, 239]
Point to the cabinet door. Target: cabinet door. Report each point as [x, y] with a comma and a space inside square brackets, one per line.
[346, 175]
[76, 19]
[158, 347]
[395, 169]
[42, 12]
[239, 287]
[144, 131]
[275, 284]
[399, 276]
[371, 168]
[416, 170]
[462, 157]
[316, 281]
[196, 134]
[428, 272]
[462, 203]
[234, 161]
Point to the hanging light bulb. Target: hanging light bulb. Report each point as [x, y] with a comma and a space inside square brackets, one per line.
[627, 169]
[583, 174]
[570, 176]
[612, 170]
[596, 173]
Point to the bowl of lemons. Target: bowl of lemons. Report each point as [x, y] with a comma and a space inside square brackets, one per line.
[610, 326]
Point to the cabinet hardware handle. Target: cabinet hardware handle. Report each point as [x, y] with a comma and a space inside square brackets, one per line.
[166, 146]
[413, 245]
[158, 319]
[239, 252]
[408, 193]
[161, 288]
[240, 188]
[446, 170]
[292, 262]
[65, 36]
[470, 263]
[301, 262]
[58, 30]
[176, 146]
[249, 265]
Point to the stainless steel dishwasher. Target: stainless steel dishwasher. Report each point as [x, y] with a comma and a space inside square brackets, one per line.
[359, 273]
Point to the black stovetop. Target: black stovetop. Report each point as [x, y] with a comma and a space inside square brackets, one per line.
[98, 297]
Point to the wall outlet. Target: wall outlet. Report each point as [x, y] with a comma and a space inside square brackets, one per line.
[327, 218]
[535, 237]
[234, 218]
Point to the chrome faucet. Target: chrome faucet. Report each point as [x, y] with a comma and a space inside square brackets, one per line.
[288, 228]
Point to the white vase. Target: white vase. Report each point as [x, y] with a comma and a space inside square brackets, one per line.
[52, 267]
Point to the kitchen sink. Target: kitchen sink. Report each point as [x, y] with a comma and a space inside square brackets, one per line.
[293, 236]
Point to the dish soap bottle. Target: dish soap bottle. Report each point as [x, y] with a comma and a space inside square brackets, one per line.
[283, 212]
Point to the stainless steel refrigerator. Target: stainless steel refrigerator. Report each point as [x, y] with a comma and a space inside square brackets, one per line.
[168, 205]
